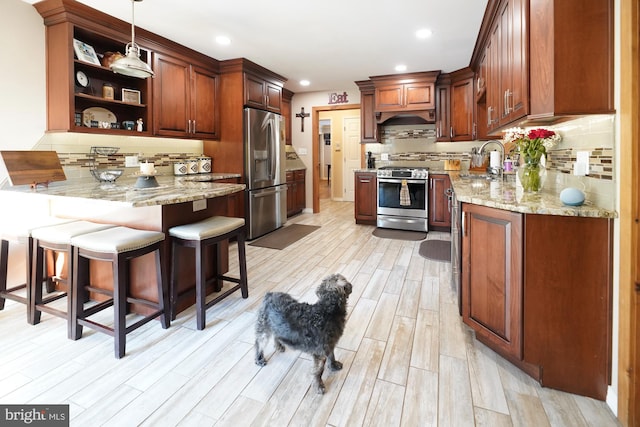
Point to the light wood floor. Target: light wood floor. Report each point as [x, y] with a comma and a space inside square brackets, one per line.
[408, 358]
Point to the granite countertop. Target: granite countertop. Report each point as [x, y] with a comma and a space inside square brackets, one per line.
[171, 189]
[503, 194]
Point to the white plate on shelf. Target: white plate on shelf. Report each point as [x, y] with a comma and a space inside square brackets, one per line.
[97, 114]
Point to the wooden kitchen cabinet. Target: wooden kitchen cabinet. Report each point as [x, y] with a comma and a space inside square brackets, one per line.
[368, 126]
[440, 199]
[296, 192]
[492, 282]
[443, 108]
[67, 99]
[537, 290]
[413, 91]
[366, 198]
[184, 99]
[455, 112]
[287, 95]
[262, 93]
[228, 150]
[534, 63]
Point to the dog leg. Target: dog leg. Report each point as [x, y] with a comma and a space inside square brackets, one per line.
[318, 369]
[334, 365]
[261, 340]
[279, 346]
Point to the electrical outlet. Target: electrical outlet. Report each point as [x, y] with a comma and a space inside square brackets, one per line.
[199, 205]
[131, 161]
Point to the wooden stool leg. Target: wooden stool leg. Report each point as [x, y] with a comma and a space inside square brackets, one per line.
[174, 279]
[201, 292]
[78, 293]
[165, 318]
[242, 261]
[120, 279]
[37, 273]
[4, 262]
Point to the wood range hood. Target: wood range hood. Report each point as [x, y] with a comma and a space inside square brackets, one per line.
[405, 98]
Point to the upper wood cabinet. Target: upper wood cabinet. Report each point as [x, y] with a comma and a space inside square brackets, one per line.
[181, 100]
[67, 99]
[406, 92]
[543, 61]
[287, 95]
[184, 99]
[262, 93]
[368, 125]
[455, 107]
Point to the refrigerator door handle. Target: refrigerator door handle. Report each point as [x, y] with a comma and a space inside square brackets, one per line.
[269, 193]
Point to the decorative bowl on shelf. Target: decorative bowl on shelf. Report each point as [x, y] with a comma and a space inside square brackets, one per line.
[106, 175]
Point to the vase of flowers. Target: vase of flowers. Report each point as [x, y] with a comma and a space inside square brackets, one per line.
[531, 148]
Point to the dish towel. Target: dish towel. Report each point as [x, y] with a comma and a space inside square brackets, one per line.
[405, 199]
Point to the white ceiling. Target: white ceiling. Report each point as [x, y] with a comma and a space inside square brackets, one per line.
[330, 43]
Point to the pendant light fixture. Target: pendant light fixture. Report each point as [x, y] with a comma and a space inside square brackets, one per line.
[131, 64]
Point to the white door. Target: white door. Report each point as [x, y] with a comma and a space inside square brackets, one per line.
[351, 156]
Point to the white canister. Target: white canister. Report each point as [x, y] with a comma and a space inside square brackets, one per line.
[180, 168]
[204, 165]
[192, 166]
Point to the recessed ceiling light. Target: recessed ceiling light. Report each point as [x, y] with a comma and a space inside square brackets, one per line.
[401, 67]
[223, 40]
[305, 82]
[424, 33]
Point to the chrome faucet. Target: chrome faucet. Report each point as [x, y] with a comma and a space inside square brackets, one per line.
[494, 170]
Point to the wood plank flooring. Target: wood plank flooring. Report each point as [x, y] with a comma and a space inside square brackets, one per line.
[408, 358]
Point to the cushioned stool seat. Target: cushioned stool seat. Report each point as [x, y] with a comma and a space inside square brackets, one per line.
[200, 235]
[118, 245]
[55, 238]
[19, 232]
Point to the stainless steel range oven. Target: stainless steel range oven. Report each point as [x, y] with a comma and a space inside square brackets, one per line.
[402, 198]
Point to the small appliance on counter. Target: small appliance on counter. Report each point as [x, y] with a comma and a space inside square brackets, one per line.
[371, 161]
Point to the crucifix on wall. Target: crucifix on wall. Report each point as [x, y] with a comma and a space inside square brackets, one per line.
[302, 115]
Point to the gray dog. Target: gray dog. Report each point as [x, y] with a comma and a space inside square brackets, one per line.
[311, 328]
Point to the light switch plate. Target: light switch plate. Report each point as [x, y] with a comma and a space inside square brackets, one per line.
[384, 156]
[199, 205]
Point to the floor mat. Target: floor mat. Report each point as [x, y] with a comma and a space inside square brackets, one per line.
[436, 250]
[389, 233]
[285, 236]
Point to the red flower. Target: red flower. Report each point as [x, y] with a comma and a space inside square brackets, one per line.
[540, 133]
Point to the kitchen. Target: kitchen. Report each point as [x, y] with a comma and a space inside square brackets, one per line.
[301, 140]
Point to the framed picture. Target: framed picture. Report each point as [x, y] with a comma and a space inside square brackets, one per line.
[131, 96]
[85, 52]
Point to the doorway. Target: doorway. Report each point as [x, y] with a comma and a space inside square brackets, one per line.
[316, 117]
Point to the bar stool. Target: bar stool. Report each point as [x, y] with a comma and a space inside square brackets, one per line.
[118, 245]
[200, 235]
[55, 238]
[19, 232]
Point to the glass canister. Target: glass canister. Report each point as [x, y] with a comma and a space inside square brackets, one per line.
[192, 166]
[205, 164]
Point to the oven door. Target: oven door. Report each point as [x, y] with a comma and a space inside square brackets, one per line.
[389, 197]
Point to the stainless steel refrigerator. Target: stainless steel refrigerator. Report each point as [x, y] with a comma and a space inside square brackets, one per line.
[265, 175]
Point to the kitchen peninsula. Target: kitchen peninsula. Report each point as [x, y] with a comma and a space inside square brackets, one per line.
[536, 280]
[175, 201]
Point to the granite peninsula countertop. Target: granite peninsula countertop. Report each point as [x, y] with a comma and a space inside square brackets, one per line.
[171, 189]
[503, 194]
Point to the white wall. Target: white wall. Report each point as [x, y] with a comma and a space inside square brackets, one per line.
[22, 77]
[303, 141]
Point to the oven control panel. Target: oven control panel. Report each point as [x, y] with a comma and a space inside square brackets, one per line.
[404, 173]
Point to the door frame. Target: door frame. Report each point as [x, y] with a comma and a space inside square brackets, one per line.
[629, 220]
[315, 159]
